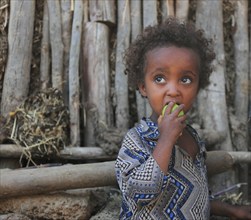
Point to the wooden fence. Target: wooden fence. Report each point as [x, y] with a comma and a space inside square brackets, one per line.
[77, 46]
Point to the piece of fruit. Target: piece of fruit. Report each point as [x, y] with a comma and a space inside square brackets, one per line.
[181, 113]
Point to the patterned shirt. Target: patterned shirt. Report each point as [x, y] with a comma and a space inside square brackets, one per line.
[150, 194]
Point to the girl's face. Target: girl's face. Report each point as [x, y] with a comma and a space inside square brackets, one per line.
[171, 74]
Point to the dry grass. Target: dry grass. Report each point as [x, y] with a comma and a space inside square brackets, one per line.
[40, 125]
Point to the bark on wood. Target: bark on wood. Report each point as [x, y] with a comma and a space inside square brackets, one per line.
[220, 161]
[136, 25]
[57, 48]
[86, 11]
[72, 153]
[167, 8]
[82, 153]
[150, 14]
[249, 115]
[121, 85]
[43, 180]
[96, 79]
[75, 153]
[49, 179]
[45, 50]
[102, 10]
[136, 19]
[74, 94]
[10, 151]
[10, 163]
[214, 97]
[182, 7]
[240, 156]
[241, 68]
[66, 37]
[17, 74]
[241, 82]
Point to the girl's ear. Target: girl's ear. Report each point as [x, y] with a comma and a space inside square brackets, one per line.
[142, 89]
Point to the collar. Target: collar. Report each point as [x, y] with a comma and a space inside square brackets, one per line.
[149, 133]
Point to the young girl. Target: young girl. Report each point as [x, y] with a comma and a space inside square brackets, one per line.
[161, 165]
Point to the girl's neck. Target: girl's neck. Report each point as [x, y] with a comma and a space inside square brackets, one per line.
[154, 117]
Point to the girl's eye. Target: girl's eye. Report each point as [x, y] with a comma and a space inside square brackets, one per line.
[159, 79]
[186, 80]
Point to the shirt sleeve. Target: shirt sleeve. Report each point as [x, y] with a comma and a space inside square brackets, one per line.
[138, 174]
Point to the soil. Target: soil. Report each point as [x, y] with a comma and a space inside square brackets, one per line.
[83, 204]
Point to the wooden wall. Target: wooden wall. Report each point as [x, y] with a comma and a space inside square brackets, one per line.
[79, 51]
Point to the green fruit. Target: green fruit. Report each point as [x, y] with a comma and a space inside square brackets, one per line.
[181, 113]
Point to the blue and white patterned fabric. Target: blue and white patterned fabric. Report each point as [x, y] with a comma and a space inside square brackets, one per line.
[150, 194]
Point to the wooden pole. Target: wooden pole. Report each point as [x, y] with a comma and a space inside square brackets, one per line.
[102, 10]
[57, 48]
[167, 8]
[182, 8]
[150, 14]
[67, 15]
[45, 50]
[121, 85]
[17, 74]
[214, 96]
[75, 153]
[29, 181]
[74, 94]
[136, 29]
[96, 80]
[71, 153]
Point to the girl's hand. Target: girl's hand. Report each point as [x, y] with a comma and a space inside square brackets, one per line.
[170, 128]
[171, 125]
[241, 212]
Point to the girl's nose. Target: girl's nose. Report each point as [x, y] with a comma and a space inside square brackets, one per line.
[172, 90]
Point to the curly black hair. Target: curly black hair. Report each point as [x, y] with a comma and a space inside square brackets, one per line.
[171, 32]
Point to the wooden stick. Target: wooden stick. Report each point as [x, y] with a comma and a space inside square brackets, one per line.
[45, 48]
[121, 86]
[96, 80]
[71, 153]
[74, 95]
[242, 80]
[182, 8]
[72, 5]
[102, 10]
[150, 14]
[167, 8]
[10, 151]
[240, 156]
[221, 161]
[67, 15]
[29, 181]
[83, 153]
[234, 157]
[17, 74]
[57, 48]
[136, 29]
